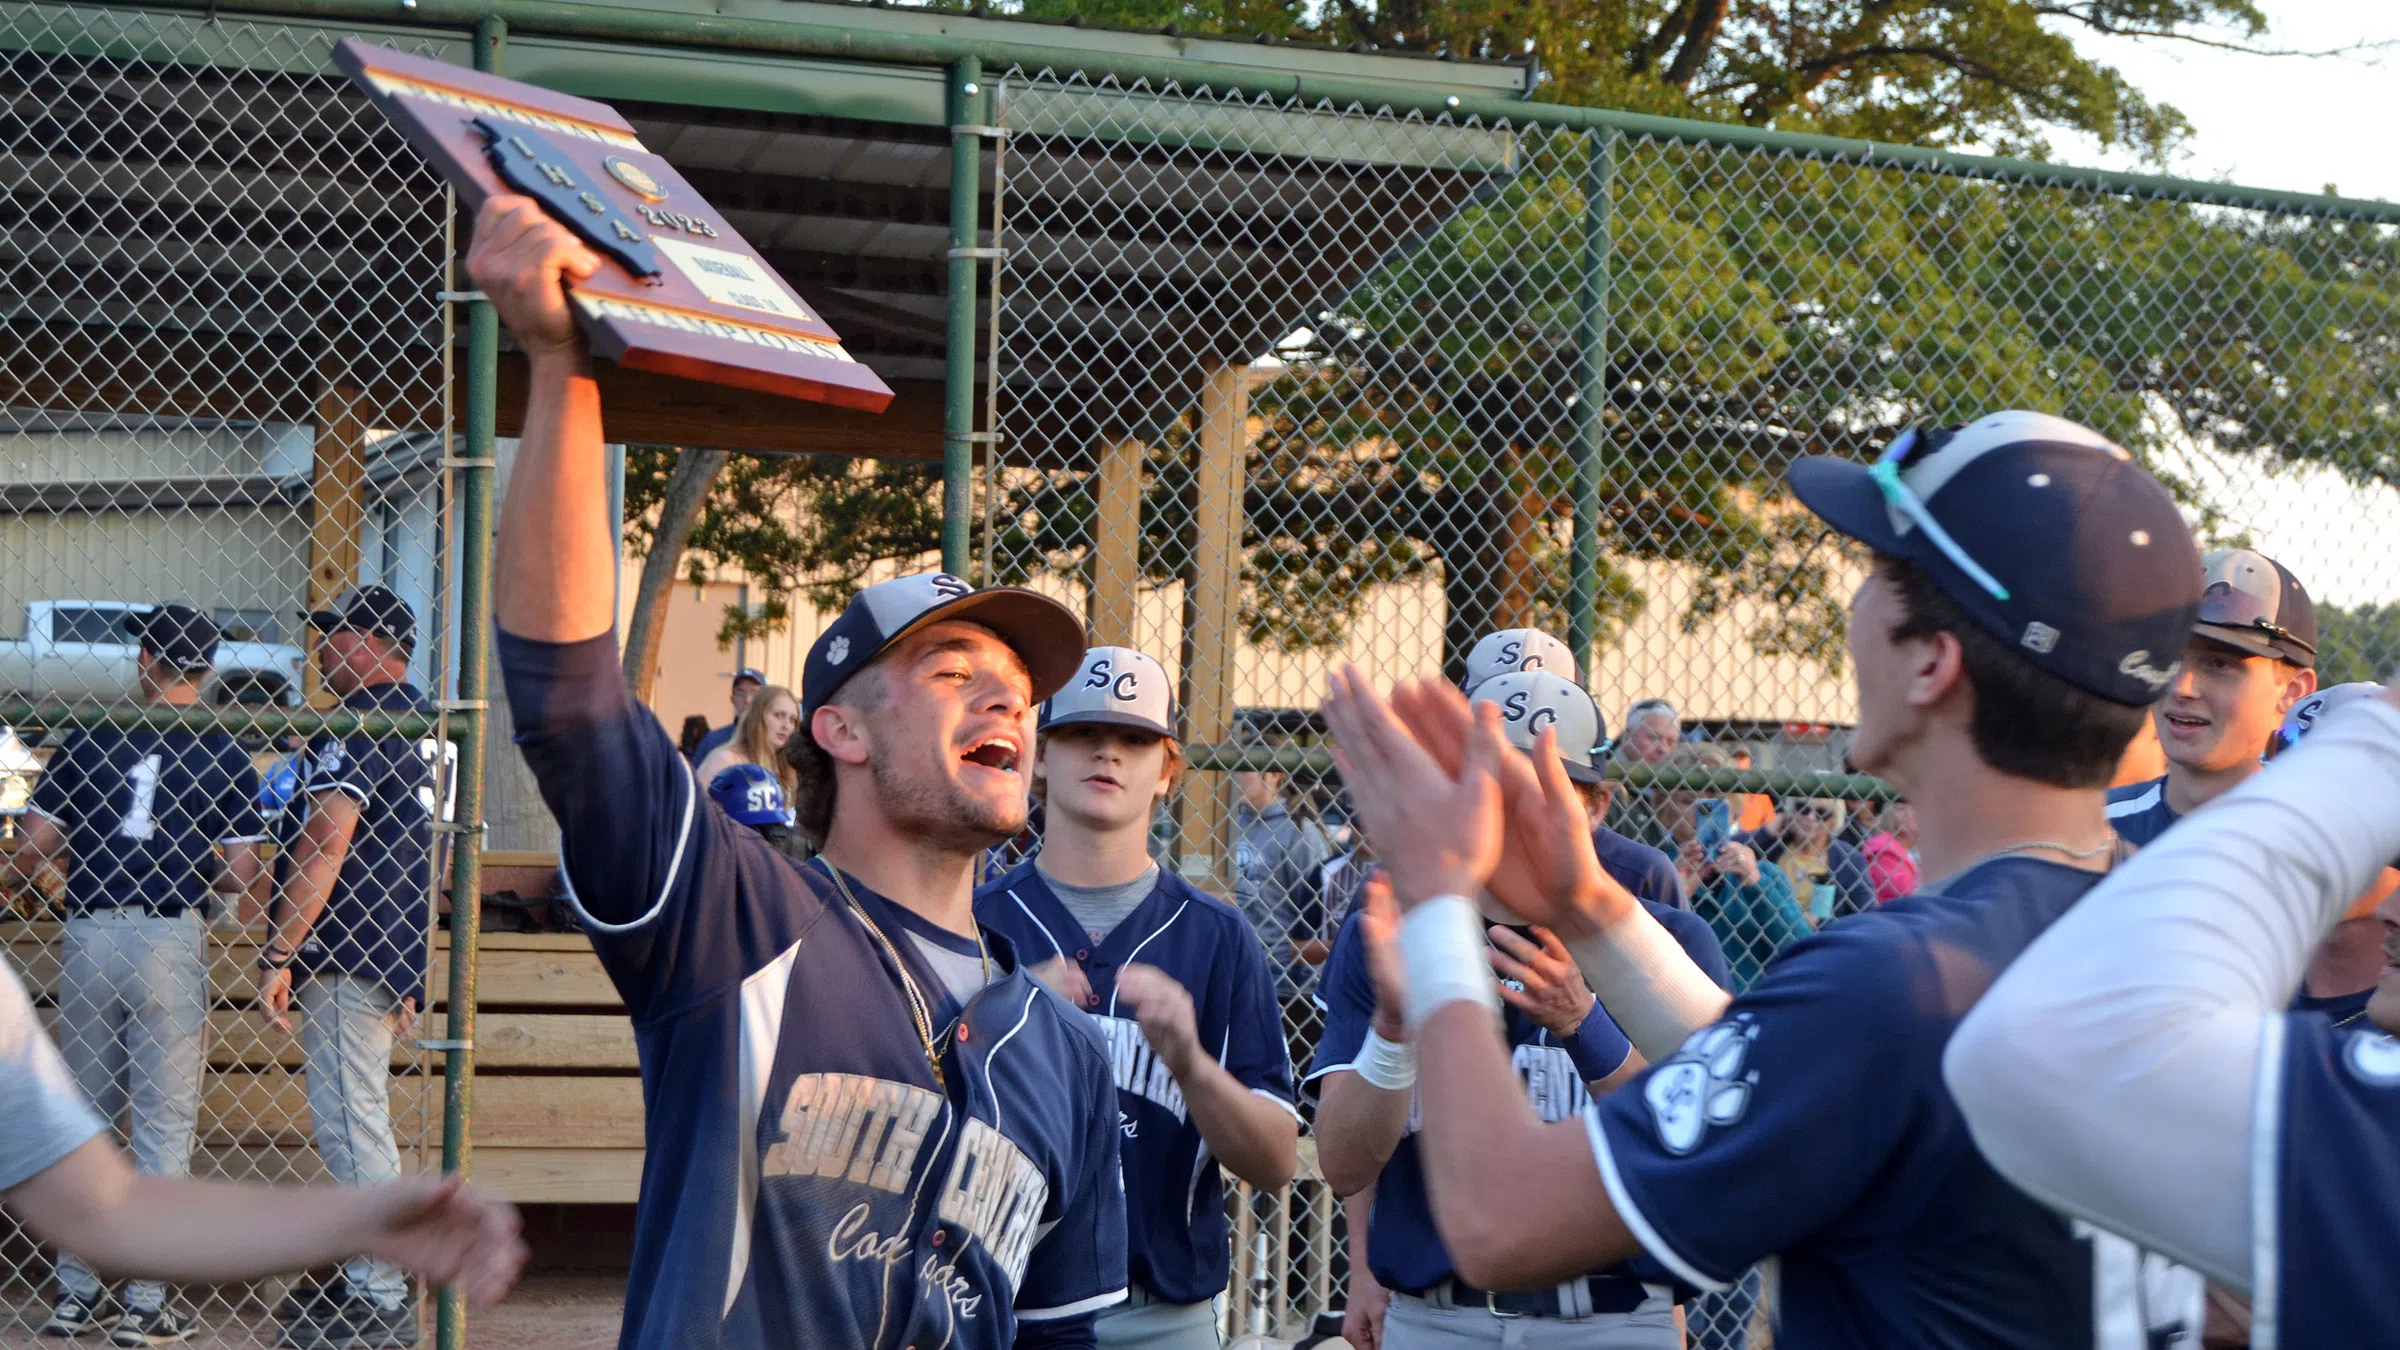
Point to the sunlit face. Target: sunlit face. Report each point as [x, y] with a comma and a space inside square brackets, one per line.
[782, 719]
[348, 659]
[1651, 738]
[2384, 1008]
[2223, 706]
[1103, 778]
[1809, 825]
[950, 742]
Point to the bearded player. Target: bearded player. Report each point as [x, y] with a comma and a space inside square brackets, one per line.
[867, 1125]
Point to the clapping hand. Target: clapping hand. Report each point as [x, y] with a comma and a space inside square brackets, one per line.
[1553, 994]
[1436, 831]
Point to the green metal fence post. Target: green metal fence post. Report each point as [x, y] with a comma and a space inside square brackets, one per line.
[965, 103]
[473, 542]
[1591, 399]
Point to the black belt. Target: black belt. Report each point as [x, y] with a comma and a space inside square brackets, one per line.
[1608, 1294]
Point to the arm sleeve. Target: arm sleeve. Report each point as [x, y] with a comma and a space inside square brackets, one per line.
[344, 766]
[1078, 1267]
[238, 817]
[1698, 940]
[2113, 1070]
[54, 792]
[42, 1117]
[1254, 1051]
[1696, 1152]
[1348, 994]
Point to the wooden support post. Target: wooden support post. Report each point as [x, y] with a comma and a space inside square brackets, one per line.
[337, 510]
[1212, 616]
[1117, 545]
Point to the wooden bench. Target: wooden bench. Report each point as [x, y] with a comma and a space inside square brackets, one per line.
[558, 1101]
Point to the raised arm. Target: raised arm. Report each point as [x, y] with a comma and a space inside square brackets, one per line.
[2113, 1070]
[554, 564]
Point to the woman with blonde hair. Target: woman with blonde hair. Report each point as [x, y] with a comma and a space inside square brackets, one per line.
[758, 737]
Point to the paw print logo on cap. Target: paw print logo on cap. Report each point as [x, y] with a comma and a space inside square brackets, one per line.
[837, 651]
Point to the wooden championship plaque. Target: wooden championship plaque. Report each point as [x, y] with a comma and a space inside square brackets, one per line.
[678, 290]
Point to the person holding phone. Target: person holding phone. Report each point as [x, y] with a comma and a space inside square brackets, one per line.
[1749, 902]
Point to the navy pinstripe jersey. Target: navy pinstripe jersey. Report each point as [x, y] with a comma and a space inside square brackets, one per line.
[2139, 811]
[808, 1181]
[1174, 1190]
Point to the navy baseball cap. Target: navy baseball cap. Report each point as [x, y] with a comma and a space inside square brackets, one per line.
[1043, 633]
[1532, 699]
[2254, 604]
[751, 673]
[1115, 687]
[369, 609]
[178, 635]
[2046, 533]
[749, 795]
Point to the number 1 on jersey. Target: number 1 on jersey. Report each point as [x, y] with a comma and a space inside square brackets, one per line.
[141, 787]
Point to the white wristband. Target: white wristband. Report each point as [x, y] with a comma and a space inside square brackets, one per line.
[1648, 983]
[1441, 944]
[1390, 1066]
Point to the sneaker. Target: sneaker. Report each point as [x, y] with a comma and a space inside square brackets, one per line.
[307, 1303]
[73, 1316]
[356, 1324]
[156, 1326]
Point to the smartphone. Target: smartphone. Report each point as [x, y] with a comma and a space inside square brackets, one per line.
[1713, 821]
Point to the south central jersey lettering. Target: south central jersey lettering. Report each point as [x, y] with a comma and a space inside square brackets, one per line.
[1179, 1240]
[810, 1179]
[1138, 1070]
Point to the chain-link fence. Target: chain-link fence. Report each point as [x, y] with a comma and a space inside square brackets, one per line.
[1274, 386]
[224, 407]
[1281, 387]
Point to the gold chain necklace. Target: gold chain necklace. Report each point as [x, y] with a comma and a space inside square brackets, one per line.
[917, 1010]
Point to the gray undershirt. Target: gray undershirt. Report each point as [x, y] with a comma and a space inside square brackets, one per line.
[1101, 908]
[960, 972]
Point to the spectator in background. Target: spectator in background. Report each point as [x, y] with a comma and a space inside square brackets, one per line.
[746, 683]
[1828, 877]
[1891, 854]
[1652, 730]
[1751, 810]
[695, 731]
[752, 796]
[1748, 903]
[758, 736]
[1860, 821]
[135, 818]
[347, 941]
[1275, 862]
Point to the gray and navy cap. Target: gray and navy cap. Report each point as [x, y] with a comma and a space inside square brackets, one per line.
[2254, 604]
[369, 609]
[1516, 649]
[2102, 575]
[1115, 687]
[751, 673]
[1530, 700]
[177, 635]
[1043, 633]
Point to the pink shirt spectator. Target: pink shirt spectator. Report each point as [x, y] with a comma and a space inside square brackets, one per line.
[1889, 868]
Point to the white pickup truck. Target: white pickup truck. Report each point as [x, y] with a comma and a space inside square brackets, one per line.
[79, 650]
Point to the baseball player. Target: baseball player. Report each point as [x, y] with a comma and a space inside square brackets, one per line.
[2251, 656]
[1177, 981]
[2139, 1068]
[1563, 1047]
[1639, 868]
[2029, 595]
[136, 818]
[867, 1125]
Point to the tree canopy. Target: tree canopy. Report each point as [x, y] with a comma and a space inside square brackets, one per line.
[1759, 308]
